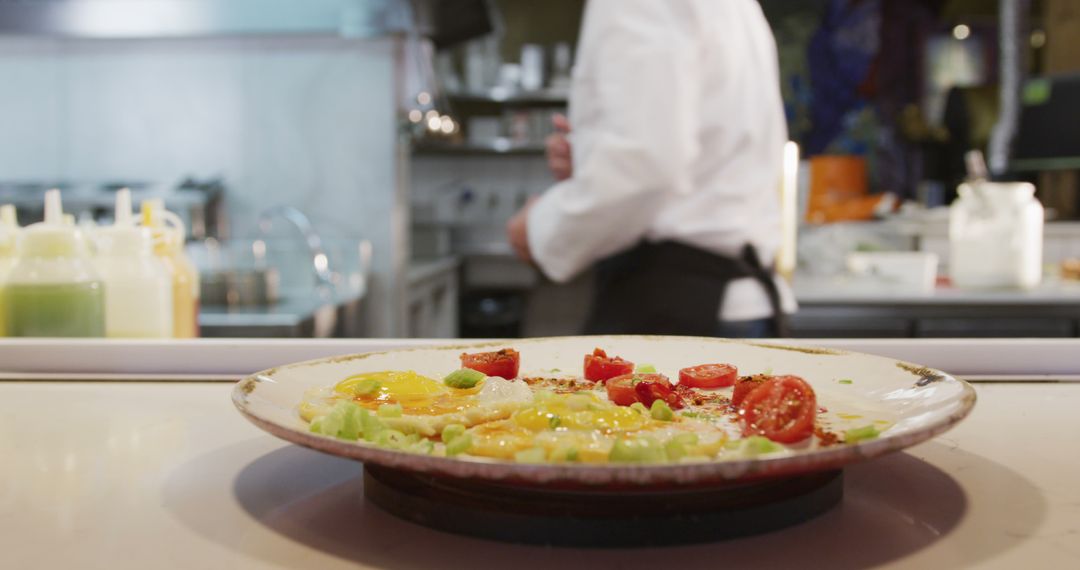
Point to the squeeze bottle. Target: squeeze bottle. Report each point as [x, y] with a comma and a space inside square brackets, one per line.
[138, 286]
[168, 233]
[53, 290]
[9, 236]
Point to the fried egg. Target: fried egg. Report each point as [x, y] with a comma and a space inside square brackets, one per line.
[582, 427]
[427, 405]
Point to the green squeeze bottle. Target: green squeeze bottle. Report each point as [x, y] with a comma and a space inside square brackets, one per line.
[53, 289]
[9, 236]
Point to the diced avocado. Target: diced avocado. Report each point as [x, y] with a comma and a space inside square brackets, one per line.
[451, 431]
[641, 450]
[661, 411]
[464, 378]
[459, 444]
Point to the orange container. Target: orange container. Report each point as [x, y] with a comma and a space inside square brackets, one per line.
[838, 190]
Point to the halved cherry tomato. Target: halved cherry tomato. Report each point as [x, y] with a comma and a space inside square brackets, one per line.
[782, 409]
[745, 385]
[708, 375]
[620, 390]
[600, 367]
[502, 363]
[645, 388]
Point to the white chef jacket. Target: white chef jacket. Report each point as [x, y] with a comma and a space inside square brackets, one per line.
[678, 134]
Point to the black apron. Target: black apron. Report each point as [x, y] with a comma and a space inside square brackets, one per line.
[672, 289]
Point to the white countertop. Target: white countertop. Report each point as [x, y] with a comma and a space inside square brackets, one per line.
[168, 475]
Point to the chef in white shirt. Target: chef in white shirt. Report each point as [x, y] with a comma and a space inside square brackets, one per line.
[672, 171]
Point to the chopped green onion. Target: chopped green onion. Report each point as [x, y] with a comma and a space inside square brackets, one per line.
[554, 421]
[861, 434]
[846, 381]
[639, 407]
[464, 378]
[534, 455]
[451, 431]
[366, 387]
[643, 450]
[459, 444]
[645, 369]
[661, 411]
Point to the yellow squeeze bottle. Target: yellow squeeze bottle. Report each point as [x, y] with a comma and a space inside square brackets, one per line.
[169, 248]
[9, 241]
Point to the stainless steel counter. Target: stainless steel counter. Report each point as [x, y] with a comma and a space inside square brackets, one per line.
[849, 308]
[295, 315]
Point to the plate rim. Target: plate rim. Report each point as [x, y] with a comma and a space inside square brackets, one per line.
[733, 471]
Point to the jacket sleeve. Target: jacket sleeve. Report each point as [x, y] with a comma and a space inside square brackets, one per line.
[634, 141]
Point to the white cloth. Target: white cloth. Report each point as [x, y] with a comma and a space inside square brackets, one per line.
[678, 133]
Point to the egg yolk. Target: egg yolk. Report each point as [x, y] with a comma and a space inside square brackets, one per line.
[416, 393]
[580, 412]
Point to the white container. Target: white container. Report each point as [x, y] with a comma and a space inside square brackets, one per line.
[138, 286]
[908, 271]
[996, 236]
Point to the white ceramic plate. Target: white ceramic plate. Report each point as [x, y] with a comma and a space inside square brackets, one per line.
[916, 403]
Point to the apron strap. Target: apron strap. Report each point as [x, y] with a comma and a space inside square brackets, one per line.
[765, 277]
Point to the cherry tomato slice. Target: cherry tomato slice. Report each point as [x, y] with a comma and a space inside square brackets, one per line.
[645, 388]
[502, 363]
[708, 375]
[649, 391]
[782, 409]
[620, 390]
[600, 367]
[745, 385]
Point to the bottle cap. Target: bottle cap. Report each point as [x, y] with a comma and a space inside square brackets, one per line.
[124, 237]
[9, 231]
[167, 227]
[53, 237]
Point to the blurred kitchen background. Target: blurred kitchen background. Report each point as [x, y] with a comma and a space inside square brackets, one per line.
[346, 167]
